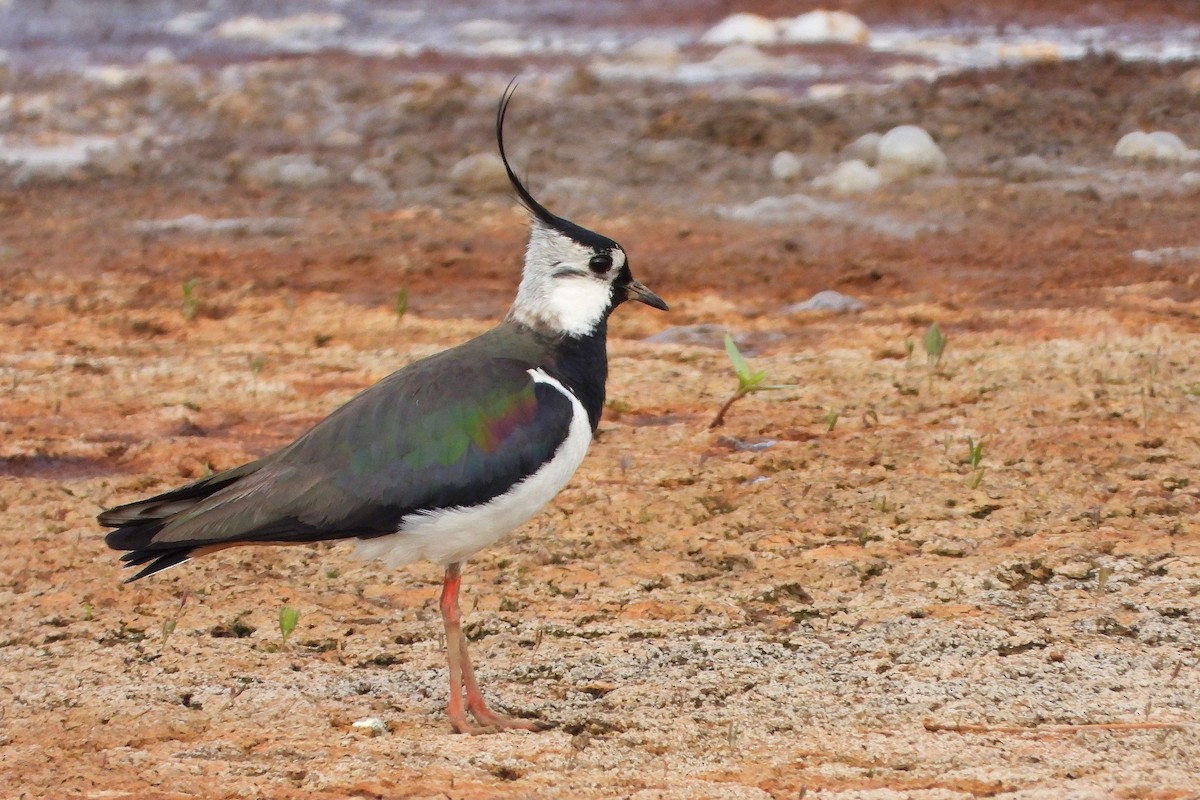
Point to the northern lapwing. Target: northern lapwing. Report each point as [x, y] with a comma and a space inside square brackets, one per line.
[437, 460]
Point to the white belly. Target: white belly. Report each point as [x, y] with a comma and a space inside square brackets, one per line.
[455, 534]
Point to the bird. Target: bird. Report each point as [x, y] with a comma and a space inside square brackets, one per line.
[439, 459]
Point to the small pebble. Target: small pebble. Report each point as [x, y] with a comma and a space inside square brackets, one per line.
[480, 172]
[826, 26]
[653, 52]
[851, 177]
[907, 150]
[864, 148]
[288, 170]
[485, 29]
[742, 29]
[827, 300]
[371, 726]
[742, 56]
[1074, 570]
[785, 166]
[1155, 146]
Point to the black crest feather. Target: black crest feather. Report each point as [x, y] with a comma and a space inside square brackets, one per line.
[569, 229]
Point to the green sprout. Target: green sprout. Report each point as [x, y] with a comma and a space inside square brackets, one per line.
[191, 302]
[975, 459]
[831, 419]
[256, 364]
[288, 617]
[975, 452]
[400, 305]
[748, 382]
[934, 343]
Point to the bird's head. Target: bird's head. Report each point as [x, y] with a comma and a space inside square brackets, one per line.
[573, 277]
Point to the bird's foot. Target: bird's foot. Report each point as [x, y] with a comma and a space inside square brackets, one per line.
[461, 724]
[491, 722]
[499, 722]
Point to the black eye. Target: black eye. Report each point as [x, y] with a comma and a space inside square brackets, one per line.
[601, 263]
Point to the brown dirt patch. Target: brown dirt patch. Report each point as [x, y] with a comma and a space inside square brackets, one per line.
[704, 618]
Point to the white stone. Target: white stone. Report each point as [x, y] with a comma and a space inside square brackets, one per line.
[742, 29]
[1190, 182]
[785, 165]
[1156, 146]
[1190, 80]
[1165, 255]
[200, 225]
[502, 48]
[188, 23]
[280, 29]
[741, 57]
[864, 148]
[481, 30]
[827, 300]
[112, 77]
[1074, 570]
[159, 57]
[372, 726]
[655, 52]
[1030, 51]
[824, 92]
[480, 172]
[664, 151]
[56, 163]
[1170, 143]
[288, 170]
[1031, 167]
[826, 26]
[851, 177]
[907, 150]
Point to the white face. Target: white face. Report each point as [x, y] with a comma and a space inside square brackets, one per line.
[563, 288]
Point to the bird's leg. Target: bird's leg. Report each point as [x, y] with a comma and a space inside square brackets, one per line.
[479, 707]
[452, 619]
[462, 676]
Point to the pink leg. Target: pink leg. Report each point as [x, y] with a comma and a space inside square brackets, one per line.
[462, 676]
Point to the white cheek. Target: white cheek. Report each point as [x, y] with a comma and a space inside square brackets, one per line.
[578, 304]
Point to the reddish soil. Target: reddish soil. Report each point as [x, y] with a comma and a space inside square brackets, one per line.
[823, 598]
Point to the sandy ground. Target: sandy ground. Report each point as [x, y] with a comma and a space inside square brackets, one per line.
[823, 598]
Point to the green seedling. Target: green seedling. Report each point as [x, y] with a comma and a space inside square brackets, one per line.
[400, 305]
[975, 460]
[748, 382]
[934, 343]
[191, 301]
[288, 617]
[909, 346]
[831, 419]
[256, 365]
[975, 452]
